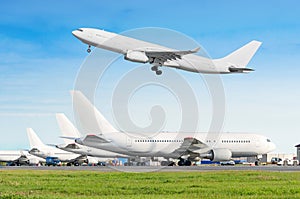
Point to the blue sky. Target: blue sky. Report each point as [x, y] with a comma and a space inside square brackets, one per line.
[39, 59]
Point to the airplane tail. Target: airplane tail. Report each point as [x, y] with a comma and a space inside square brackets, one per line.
[239, 59]
[67, 128]
[92, 121]
[34, 140]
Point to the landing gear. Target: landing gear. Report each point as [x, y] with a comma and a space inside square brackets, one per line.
[183, 162]
[141, 164]
[157, 71]
[89, 49]
[167, 163]
[154, 68]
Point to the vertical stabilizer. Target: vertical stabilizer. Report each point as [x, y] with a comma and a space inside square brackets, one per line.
[67, 128]
[91, 120]
[34, 140]
[242, 56]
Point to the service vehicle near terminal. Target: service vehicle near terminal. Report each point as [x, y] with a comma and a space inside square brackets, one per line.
[288, 162]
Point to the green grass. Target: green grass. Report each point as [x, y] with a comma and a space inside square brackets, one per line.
[93, 184]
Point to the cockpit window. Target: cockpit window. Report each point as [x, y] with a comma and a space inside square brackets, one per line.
[268, 140]
[80, 30]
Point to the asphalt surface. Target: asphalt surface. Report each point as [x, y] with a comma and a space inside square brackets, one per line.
[135, 169]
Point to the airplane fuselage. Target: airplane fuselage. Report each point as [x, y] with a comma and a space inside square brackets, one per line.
[89, 151]
[45, 152]
[19, 155]
[165, 144]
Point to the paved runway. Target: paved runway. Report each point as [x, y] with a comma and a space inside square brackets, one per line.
[159, 168]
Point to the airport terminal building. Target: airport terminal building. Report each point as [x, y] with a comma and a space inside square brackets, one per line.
[298, 152]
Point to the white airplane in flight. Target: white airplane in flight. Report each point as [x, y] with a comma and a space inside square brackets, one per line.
[157, 55]
[184, 146]
[39, 149]
[69, 131]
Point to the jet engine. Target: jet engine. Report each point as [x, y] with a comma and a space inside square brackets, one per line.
[23, 160]
[136, 56]
[218, 155]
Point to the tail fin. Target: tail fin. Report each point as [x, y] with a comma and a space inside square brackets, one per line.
[242, 56]
[90, 117]
[34, 140]
[67, 128]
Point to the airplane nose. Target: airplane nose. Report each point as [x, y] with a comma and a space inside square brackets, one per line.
[78, 34]
[74, 32]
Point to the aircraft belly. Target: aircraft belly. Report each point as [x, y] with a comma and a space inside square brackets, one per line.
[243, 154]
[193, 63]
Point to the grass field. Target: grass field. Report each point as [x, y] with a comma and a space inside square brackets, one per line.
[92, 184]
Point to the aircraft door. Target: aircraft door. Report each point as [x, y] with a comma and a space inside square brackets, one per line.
[128, 142]
[257, 143]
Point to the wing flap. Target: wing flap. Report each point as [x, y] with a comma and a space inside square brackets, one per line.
[164, 56]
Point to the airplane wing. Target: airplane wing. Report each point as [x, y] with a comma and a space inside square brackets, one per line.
[79, 159]
[163, 56]
[190, 146]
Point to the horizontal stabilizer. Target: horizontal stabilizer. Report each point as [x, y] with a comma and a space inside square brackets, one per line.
[95, 138]
[240, 70]
[91, 139]
[69, 138]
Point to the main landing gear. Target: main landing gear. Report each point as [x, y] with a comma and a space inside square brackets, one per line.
[183, 162]
[157, 71]
[89, 49]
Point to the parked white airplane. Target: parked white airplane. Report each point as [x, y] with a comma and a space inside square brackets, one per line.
[185, 146]
[19, 157]
[68, 131]
[145, 52]
[39, 149]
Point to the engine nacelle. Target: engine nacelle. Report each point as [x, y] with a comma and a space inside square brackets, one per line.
[218, 155]
[136, 56]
